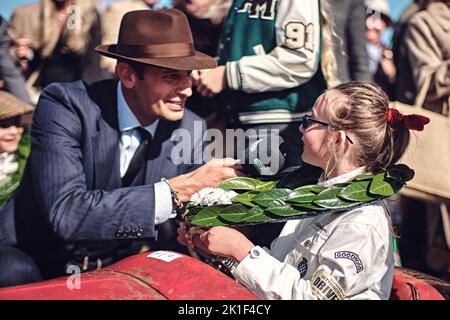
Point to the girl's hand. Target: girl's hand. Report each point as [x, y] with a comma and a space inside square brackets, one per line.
[184, 238]
[226, 242]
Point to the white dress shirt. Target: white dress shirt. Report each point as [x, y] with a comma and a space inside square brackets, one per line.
[130, 139]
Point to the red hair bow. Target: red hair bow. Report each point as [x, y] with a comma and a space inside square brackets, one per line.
[412, 121]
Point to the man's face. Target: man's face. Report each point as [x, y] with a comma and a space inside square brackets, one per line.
[375, 26]
[162, 94]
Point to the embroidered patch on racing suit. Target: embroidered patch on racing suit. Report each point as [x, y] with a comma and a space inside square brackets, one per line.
[352, 257]
[325, 287]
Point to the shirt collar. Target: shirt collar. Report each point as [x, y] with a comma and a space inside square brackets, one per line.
[127, 119]
[342, 178]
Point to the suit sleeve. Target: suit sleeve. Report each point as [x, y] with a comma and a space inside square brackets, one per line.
[74, 212]
[292, 62]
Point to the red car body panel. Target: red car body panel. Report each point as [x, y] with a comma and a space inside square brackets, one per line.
[138, 277]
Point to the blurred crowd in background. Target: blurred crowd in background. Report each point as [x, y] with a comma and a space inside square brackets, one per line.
[53, 41]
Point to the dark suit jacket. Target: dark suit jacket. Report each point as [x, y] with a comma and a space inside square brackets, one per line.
[71, 202]
[349, 43]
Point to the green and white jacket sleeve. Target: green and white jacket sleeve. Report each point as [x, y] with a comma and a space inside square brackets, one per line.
[292, 62]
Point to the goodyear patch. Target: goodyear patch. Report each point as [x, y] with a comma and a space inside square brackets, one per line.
[325, 287]
[352, 257]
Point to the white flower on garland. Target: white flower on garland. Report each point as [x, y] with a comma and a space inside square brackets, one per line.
[213, 196]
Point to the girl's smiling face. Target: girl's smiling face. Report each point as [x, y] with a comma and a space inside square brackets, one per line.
[315, 138]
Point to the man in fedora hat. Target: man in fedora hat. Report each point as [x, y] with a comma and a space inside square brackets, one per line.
[94, 188]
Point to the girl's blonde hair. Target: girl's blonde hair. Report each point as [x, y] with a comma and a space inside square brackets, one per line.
[361, 110]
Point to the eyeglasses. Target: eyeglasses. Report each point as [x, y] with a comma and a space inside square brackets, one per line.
[307, 121]
[16, 121]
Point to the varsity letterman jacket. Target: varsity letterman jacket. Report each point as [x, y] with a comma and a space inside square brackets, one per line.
[271, 50]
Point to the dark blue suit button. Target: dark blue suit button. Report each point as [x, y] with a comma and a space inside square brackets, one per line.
[119, 234]
[140, 232]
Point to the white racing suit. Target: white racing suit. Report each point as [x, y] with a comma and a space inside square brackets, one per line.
[345, 255]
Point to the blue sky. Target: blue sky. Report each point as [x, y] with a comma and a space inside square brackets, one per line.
[7, 7]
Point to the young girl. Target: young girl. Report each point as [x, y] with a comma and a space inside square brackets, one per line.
[334, 255]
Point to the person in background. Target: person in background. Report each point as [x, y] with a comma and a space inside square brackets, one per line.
[275, 59]
[381, 60]
[111, 18]
[16, 267]
[206, 18]
[427, 43]
[11, 78]
[349, 43]
[54, 41]
[404, 85]
[270, 67]
[332, 256]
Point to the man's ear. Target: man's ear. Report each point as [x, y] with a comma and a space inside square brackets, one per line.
[126, 74]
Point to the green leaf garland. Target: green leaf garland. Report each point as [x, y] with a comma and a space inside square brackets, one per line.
[271, 201]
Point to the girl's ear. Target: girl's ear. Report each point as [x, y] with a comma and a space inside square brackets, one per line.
[340, 139]
[126, 75]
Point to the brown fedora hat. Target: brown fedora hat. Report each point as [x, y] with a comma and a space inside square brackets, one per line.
[157, 37]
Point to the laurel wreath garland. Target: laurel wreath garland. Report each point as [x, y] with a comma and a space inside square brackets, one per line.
[259, 201]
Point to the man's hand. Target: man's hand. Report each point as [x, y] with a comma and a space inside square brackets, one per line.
[210, 82]
[210, 174]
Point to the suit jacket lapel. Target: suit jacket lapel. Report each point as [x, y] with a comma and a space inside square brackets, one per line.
[106, 141]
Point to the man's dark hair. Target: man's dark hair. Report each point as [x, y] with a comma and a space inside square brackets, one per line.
[137, 67]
